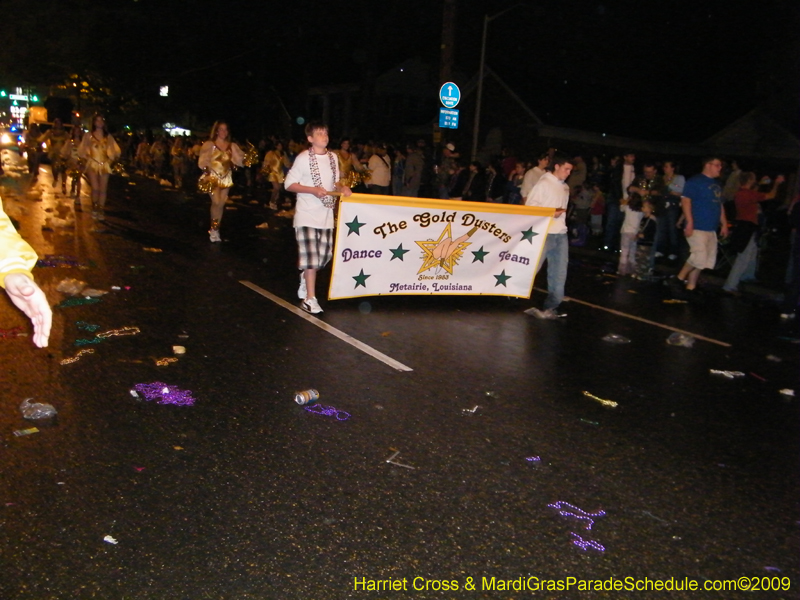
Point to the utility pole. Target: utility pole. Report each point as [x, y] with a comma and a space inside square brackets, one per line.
[448, 40]
[476, 127]
[447, 52]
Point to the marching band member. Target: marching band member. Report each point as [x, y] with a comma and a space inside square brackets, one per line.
[274, 162]
[217, 158]
[99, 150]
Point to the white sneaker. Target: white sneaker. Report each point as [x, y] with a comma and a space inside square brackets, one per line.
[302, 292]
[213, 235]
[672, 256]
[659, 254]
[540, 314]
[311, 305]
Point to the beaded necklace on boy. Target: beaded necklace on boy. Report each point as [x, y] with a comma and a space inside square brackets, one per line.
[316, 176]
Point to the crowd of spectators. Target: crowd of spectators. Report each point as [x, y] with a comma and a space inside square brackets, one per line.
[607, 193]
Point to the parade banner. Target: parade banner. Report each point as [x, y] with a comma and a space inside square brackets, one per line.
[392, 245]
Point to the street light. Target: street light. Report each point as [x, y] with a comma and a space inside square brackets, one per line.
[476, 128]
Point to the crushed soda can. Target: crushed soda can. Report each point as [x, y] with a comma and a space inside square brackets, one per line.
[306, 397]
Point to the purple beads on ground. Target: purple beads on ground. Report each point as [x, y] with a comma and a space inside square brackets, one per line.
[328, 411]
[578, 514]
[55, 260]
[584, 544]
[163, 393]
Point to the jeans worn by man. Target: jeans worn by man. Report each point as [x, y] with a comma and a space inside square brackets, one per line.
[556, 253]
[551, 191]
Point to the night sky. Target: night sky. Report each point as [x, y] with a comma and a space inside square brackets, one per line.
[676, 70]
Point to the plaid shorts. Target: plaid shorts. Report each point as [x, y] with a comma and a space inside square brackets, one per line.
[314, 247]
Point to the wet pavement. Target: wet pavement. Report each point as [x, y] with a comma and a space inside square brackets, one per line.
[247, 495]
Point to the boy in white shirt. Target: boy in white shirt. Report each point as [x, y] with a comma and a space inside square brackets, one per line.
[314, 174]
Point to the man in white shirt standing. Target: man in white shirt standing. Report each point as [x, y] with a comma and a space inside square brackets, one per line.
[532, 176]
[381, 168]
[314, 174]
[551, 191]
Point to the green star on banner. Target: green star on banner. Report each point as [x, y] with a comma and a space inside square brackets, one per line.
[354, 226]
[501, 279]
[526, 235]
[398, 252]
[361, 279]
[479, 254]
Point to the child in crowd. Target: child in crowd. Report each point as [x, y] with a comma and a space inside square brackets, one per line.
[644, 241]
[597, 209]
[629, 233]
[514, 185]
[581, 201]
[314, 174]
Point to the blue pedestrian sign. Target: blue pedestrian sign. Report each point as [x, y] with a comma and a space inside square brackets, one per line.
[448, 118]
[450, 95]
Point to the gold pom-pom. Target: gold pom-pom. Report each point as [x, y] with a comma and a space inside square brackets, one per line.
[250, 155]
[353, 179]
[118, 168]
[366, 176]
[207, 183]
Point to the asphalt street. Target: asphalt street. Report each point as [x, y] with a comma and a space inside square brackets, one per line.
[506, 468]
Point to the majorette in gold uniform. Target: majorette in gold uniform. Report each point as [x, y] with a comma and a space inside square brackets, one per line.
[219, 163]
[352, 172]
[99, 153]
[274, 162]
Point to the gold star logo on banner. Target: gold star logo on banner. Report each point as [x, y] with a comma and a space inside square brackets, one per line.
[443, 253]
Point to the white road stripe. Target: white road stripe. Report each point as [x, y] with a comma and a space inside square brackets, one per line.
[643, 320]
[325, 327]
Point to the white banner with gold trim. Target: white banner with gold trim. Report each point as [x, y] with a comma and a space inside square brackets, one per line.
[390, 245]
